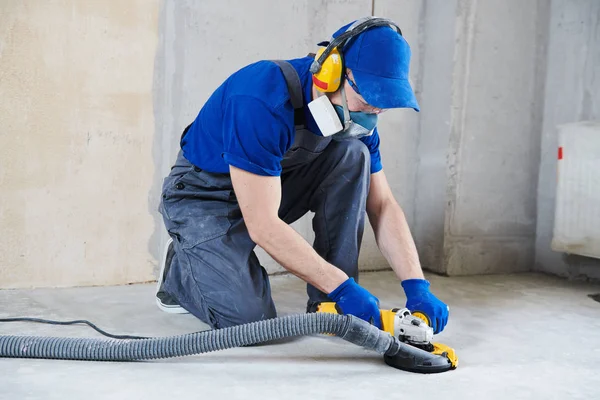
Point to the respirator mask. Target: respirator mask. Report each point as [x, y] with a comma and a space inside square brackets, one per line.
[340, 123]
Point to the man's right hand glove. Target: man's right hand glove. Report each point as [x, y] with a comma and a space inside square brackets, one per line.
[355, 300]
[419, 298]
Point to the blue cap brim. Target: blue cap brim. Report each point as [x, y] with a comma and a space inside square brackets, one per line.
[384, 92]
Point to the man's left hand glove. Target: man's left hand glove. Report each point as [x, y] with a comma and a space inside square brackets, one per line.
[420, 299]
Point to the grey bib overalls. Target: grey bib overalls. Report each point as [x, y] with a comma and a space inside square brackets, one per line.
[215, 274]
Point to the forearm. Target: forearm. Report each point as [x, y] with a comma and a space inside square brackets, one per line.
[294, 253]
[395, 240]
[259, 198]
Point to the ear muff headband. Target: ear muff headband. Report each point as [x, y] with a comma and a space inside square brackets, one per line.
[347, 36]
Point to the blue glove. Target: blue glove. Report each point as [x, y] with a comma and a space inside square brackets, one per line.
[419, 298]
[353, 299]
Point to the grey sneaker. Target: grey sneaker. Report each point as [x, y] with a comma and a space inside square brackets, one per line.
[164, 300]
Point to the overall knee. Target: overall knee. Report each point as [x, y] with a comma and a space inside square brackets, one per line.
[353, 154]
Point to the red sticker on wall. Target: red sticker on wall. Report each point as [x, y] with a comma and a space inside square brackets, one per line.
[560, 153]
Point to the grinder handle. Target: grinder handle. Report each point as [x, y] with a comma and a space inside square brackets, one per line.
[387, 316]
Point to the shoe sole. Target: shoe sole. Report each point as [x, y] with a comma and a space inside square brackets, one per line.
[171, 309]
[161, 306]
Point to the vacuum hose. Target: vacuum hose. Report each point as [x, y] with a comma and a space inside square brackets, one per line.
[347, 327]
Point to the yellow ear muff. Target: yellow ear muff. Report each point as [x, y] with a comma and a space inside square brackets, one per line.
[330, 75]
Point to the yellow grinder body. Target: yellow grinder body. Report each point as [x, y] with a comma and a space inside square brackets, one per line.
[400, 324]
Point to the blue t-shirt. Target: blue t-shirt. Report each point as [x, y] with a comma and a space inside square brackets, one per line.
[248, 122]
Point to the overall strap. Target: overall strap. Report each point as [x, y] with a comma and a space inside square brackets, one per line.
[295, 89]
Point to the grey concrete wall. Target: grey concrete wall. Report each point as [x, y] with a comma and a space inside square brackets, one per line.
[572, 95]
[185, 77]
[399, 129]
[497, 94]
[469, 159]
[421, 150]
[75, 141]
[202, 42]
[469, 212]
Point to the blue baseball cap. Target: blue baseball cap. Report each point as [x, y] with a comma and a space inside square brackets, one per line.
[379, 59]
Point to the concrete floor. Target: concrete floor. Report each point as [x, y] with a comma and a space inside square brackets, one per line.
[519, 336]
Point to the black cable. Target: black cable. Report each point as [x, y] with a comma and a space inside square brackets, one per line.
[79, 321]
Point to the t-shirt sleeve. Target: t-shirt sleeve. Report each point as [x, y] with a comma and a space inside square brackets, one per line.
[255, 137]
[372, 143]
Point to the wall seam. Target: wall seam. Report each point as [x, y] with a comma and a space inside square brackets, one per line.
[462, 55]
[458, 101]
[159, 101]
[543, 37]
[419, 90]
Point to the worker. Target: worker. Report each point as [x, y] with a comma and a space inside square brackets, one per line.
[274, 141]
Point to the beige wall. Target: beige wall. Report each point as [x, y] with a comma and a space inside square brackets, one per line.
[76, 134]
